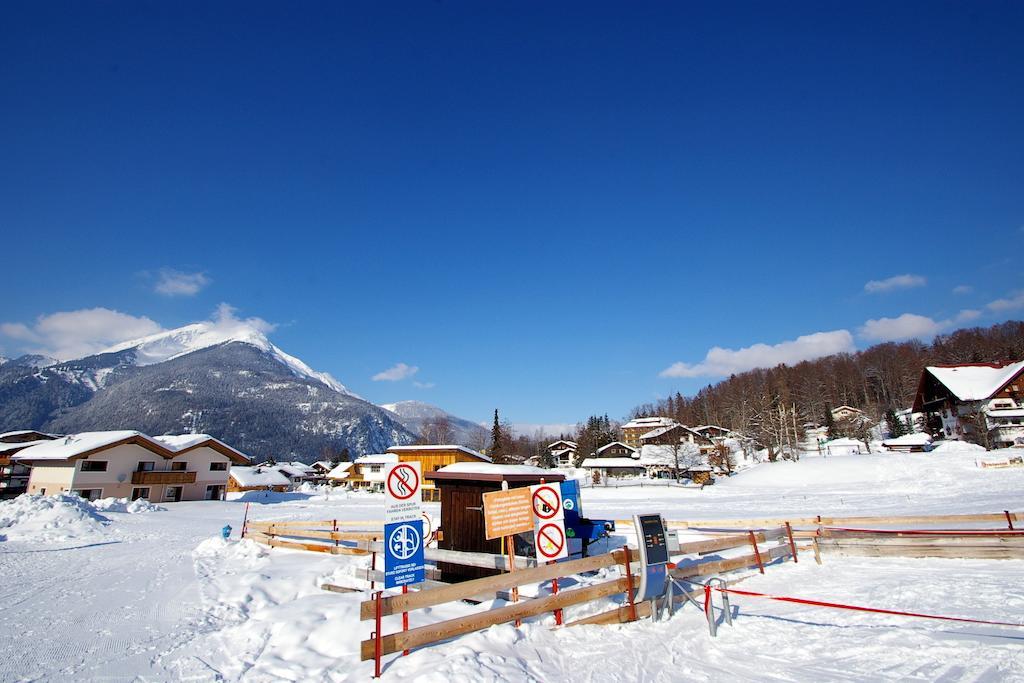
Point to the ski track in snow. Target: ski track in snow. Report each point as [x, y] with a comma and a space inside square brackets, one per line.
[160, 597]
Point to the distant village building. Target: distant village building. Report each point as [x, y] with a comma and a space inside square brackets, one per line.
[297, 473]
[616, 449]
[614, 467]
[563, 453]
[339, 474]
[847, 414]
[844, 446]
[434, 457]
[129, 464]
[322, 467]
[258, 478]
[637, 427]
[980, 402]
[917, 442]
[14, 475]
[676, 433]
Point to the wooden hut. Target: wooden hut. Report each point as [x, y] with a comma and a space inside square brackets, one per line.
[462, 487]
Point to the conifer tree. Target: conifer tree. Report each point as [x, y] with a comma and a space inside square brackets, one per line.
[497, 440]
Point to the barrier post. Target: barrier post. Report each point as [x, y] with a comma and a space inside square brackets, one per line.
[709, 611]
[1009, 519]
[377, 645]
[757, 553]
[511, 569]
[336, 541]
[405, 619]
[792, 545]
[554, 591]
[373, 564]
[629, 585]
[245, 521]
[817, 550]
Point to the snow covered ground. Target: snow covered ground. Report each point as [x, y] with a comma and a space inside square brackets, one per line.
[156, 595]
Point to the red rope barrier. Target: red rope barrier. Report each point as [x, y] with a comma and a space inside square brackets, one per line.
[858, 608]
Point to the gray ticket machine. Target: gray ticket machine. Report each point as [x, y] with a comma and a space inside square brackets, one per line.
[651, 537]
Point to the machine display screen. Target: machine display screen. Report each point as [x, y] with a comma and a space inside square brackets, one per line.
[652, 528]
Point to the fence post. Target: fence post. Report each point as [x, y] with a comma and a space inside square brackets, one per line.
[245, 521]
[336, 541]
[629, 584]
[554, 591]
[405, 619]
[1009, 519]
[508, 544]
[792, 545]
[377, 645]
[757, 553]
[709, 611]
[817, 550]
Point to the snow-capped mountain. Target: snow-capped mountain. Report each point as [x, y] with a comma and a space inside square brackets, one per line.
[224, 380]
[417, 415]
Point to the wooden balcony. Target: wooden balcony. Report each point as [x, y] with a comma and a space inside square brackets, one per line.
[174, 477]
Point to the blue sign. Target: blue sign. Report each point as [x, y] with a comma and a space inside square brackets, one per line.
[571, 502]
[403, 554]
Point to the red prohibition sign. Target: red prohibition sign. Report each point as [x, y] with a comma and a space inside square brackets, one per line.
[403, 481]
[545, 502]
[552, 533]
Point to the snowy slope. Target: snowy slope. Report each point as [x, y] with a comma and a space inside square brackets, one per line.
[165, 346]
[414, 415]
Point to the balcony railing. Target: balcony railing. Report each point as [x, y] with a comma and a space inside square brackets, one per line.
[172, 477]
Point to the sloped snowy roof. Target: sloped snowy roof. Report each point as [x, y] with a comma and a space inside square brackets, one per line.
[491, 468]
[377, 459]
[8, 447]
[439, 447]
[341, 471]
[611, 462]
[77, 445]
[649, 422]
[605, 447]
[569, 444]
[975, 382]
[294, 469]
[179, 443]
[258, 476]
[915, 439]
[23, 432]
[655, 433]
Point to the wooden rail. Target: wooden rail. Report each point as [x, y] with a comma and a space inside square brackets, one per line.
[762, 522]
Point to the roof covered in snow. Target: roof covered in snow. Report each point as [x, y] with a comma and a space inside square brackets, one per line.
[437, 447]
[341, 471]
[377, 459]
[490, 471]
[915, 439]
[975, 382]
[611, 463]
[562, 442]
[605, 447]
[21, 434]
[15, 447]
[258, 476]
[660, 431]
[74, 446]
[649, 422]
[294, 469]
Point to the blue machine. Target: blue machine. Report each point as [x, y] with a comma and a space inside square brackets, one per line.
[576, 525]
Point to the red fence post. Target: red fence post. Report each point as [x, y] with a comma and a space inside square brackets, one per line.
[373, 564]
[629, 584]
[1009, 518]
[377, 645]
[757, 553]
[405, 619]
[792, 545]
[554, 591]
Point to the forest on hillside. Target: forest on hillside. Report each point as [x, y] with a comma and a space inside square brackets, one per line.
[770, 406]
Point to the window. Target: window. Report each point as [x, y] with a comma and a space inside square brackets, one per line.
[89, 494]
[94, 465]
[140, 493]
[179, 466]
[218, 467]
[146, 466]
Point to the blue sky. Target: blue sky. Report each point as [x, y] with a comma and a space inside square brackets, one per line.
[553, 210]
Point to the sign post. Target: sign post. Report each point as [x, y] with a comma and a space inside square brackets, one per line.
[650, 531]
[403, 526]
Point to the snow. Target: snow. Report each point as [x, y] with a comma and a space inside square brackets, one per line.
[76, 444]
[915, 439]
[611, 462]
[376, 459]
[123, 505]
[975, 382]
[162, 597]
[491, 468]
[6, 447]
[651, 454]
[178, 442]
[649, 422]
[341, 471]
[171, 344]
[258, 476]
[50, 519]
[957, 446]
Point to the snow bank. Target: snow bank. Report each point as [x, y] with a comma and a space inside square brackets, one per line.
[122, 505]
[958, 447]
[50, 519]
[243, 552]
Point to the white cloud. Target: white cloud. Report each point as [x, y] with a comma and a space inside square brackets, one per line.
[1008, 304]
[905, 281]
[963, 289]
[424, 385]
[720, 362]
[966, 315]
[396, 373]
[176, 283]
[73, 334]
[907, 326]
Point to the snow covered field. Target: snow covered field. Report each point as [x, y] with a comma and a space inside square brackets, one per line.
[105, 594]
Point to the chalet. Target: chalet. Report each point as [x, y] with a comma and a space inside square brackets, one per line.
[322, 467]
[614, 466]
[676, 433]
[367, 471]
[847, 413]
[129, 464]
[660, 461]
[258, 478]
[297, 472]
[979, 402]
[637, 427]
[432, 458]
[340, 473]
[14, 475]
[563, 452]
[616, 449]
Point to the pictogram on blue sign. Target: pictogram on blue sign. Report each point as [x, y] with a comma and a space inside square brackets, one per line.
[403, 554]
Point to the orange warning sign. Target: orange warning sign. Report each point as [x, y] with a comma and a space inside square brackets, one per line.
[508, 512]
